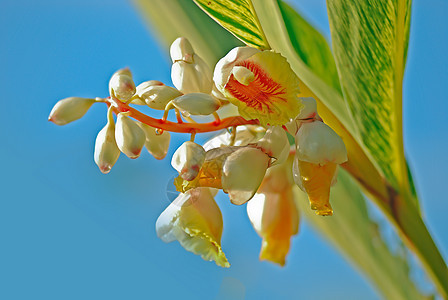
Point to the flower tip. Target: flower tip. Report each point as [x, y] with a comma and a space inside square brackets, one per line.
[275, 251]
[223, 264]
[320, 208]
[159, 157]
[135, 155]
[181, 49]
[105, 169]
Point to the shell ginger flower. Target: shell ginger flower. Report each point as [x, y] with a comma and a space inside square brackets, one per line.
[248, 161]
[260, 83]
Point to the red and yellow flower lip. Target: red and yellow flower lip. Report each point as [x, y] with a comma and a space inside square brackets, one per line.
[260, 83]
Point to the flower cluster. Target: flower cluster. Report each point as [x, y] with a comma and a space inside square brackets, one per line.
[276, 142]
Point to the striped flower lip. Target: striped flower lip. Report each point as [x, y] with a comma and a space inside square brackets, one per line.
[261, 84]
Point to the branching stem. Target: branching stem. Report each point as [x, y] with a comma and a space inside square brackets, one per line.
[161, 124]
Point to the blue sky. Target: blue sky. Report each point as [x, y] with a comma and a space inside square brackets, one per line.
[70, 232]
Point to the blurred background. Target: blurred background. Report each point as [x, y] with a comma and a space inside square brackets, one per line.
[69, 232]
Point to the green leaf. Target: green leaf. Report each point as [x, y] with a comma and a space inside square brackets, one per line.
[238, 17]
[370, 39]
[310, 45]
[358, 237]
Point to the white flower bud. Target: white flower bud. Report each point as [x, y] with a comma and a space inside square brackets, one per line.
[246, 134]
[69, 109]
[129, 136]
[156, 144]
[197, 104]
[309, 109]
[156, 96]
[243, 172]
[121, 85]
[188, 160]
[106, 150]
[139, 90]
[181, 49]
[192, 77]
[225, 65]
[275, 143]
[317, 143]
[189, 73]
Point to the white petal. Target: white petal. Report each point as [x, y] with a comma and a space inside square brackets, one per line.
[255, 209]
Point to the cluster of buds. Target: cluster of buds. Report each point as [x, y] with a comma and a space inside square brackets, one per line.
[276, 141]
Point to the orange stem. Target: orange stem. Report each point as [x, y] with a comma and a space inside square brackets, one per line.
[119, 106]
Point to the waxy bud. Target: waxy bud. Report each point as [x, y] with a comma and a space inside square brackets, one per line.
[197, 104]
[189, 73]
[192, 77]
[181, 49]
[246, 134]
[156, 144]
[243, 172]
[195, 220]
[121, 85]
[140, 89]
[129, 136]
[275, 143]
[106, 150]
[188, 160]
[70, 109]
[157, 96]
[317, 143]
